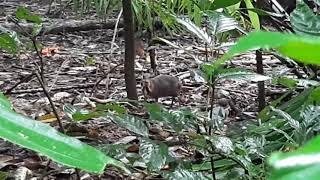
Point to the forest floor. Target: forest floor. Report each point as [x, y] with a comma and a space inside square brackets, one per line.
[84, 57]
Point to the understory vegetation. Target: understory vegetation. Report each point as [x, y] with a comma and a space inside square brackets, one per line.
[248, 107]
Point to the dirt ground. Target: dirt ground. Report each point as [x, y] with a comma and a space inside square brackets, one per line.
[85, 57]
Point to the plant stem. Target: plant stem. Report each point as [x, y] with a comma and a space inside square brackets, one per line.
[51, 103]
[210, 129]
[33, 39]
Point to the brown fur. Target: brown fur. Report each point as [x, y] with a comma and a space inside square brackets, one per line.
[162, 86]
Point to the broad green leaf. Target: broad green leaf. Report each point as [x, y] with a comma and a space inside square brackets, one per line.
[293, 123]
[254, 18]
[185, 174]
[221, 144]
[155, 154]
[23, 13]
[303, 163]
[177, 120]
[196, 30]
[78, 114]
[310, 116]
[263, 12]
[154, 111]
[131, 123]
[8, 43]
[219, 22]
[294, 106]
[117, 151]
[290, 82]
[113, 107]
[314, 97]
[287, 82]
[222, 4]
[254, 145]
[304, 21]
[47, 141]
[300, 48]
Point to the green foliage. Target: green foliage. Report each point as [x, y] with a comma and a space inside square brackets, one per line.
[304, 21]
[254, 18]
[219, 23]
[223, 4]
[102, 7]
[9, 40]
[154, 154]
[177, 120]
[185, 174]
[132, 123]
[300, 48]
[46, 140]
[302, 163]
[23, 14]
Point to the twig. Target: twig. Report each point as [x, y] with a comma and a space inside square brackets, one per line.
[115, 31]
[51, 103]
[25, 79]
[103, 77]
[79, 86]
[33, 39]
[57, 75]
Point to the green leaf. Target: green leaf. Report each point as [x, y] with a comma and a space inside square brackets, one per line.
[117, 151]
[293, 123]
[154, 154]
[185, 174]
[78, 114]
[300, 48]
[46, 140]
[131, 123]
[221, 144]
[8, 43]
[222, 4]
[4, 102]
[177, 120]
[3, 175]
[303, 163]
[196, 30]
[287, 82]
[314, 97]
[23, 14]
[154, 110]
[113, 107]
[304, 21]
[254, 18]
[219, 22]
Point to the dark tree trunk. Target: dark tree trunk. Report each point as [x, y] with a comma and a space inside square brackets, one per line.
[259, 59]
[129, 74]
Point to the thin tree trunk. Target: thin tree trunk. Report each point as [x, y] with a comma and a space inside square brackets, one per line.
[129, 74]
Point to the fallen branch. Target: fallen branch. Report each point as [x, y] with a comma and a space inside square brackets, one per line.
[66, 26]
[79, 86]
